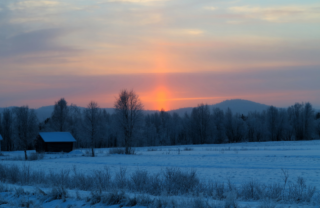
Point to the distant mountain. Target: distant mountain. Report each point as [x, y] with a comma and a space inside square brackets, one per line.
[241, 106]
[236, 105]
[45, 112]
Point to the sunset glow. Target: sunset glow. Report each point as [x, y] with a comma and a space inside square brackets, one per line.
[162, 101]
[172, 53]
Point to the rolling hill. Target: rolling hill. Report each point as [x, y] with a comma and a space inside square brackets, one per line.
[236, 105]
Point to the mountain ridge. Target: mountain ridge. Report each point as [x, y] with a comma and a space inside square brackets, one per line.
[236, 105]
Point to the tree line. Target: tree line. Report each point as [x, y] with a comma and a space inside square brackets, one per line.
[128, 126]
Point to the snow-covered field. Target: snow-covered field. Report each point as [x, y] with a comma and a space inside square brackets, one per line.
[238, 162]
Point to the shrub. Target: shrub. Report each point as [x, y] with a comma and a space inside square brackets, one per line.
[23, 202]
[171, 181]
[95, 197]
[117, 151]
[273, 191]
[59, 192]
[13, 174]
[155, 185]
[101, 179]
[81, 180]
[267, 203]
[188, 149]
[144, 201]
[251, 190]
[140, 180]
[114, 198]
[19, 192]
[178, 182]
[299, 192]
[120, 179]
[35, 156]
[219, 190]
[3, 188]
[230, 201]
[200, 203]
[3, 201]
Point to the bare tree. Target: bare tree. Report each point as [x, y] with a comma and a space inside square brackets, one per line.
[128, 109]
[272, 122]
[60, 116]
[229, 126]
[308, 122]
[296, 121]
[92, 123]
[219, 127]
[7, 129]
[200, 122]
[75, 123]
[26, 126]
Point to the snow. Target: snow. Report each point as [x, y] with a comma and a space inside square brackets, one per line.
[57, 137]
[72, 201]
[239, 162]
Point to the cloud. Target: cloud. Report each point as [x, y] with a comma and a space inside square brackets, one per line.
[35, 4]
[138, 1]
[280, 14]
[194, 32]
[211, 8]
[32, 42]
[274, 86]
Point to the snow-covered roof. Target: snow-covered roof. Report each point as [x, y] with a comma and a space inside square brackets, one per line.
[1, 137]
[57, 137]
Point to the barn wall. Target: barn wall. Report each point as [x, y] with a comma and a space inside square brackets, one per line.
[40, 145]
[58, 146]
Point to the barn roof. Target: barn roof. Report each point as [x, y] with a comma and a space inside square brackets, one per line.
[1, 137]
[57, 137]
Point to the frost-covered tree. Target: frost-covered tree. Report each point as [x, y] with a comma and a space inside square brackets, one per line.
[26, 127]
[284, 129]
[218, 121]
[128, 110]
[106, 126]
[60, 116]
[175, 128]
[7, 129]
[0, 130]
[308, 122]
[75, 124]
[236, 127]
[200, 124]
[240, 128]
[150, 132]
[301, 118]
[272, 122]
[295, 119]
[229, 126]
[164, 128]
[93, 124]
[317, 127]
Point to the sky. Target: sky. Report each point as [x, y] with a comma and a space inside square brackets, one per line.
[172, 53]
